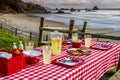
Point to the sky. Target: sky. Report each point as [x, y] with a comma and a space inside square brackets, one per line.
[77, 3]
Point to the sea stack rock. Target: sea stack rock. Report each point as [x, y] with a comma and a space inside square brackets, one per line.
[60, 12]
[95, 8]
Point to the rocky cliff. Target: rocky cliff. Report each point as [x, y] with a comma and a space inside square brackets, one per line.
[18, 6]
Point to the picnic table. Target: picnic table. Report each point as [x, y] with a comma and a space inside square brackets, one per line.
[93, 67]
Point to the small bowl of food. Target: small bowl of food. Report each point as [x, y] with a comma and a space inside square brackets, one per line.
[75, 51]
[32, 57]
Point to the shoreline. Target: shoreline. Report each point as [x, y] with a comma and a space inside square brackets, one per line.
[34, 16]
[25, 22]
[76, 27]
[10, 18]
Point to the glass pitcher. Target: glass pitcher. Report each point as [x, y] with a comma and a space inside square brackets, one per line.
[56, 41]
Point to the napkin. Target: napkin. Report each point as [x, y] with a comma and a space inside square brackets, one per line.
[32, 53]
[5, 55]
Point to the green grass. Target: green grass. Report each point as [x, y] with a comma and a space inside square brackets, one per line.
[7, 40]
[112, 70]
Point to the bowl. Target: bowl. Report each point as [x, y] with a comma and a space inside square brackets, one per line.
[32, 59]
[76, 44]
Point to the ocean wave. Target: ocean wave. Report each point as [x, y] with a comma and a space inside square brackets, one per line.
[98, 20]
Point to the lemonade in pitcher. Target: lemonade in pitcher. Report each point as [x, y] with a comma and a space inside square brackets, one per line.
[56, 45]
[56, 41]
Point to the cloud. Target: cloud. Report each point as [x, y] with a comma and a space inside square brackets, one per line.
[96, 2]
[77, 3]
[106, 3]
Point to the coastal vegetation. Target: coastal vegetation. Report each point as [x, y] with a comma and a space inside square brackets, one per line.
[7, 40]
[18, 6]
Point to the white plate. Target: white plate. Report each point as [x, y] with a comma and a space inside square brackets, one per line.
[85, 51]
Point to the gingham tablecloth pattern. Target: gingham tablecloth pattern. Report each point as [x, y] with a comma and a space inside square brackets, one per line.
[93, 67]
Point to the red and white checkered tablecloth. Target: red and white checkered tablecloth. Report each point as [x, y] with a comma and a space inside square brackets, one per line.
[93, 67]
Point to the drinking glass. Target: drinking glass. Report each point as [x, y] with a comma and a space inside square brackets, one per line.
[74, 37]
[46, 54]
[87, 40]
[29, 46]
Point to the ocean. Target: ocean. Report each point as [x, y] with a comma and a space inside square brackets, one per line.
[96, 19]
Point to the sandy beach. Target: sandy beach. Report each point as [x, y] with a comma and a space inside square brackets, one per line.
[24, 22]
